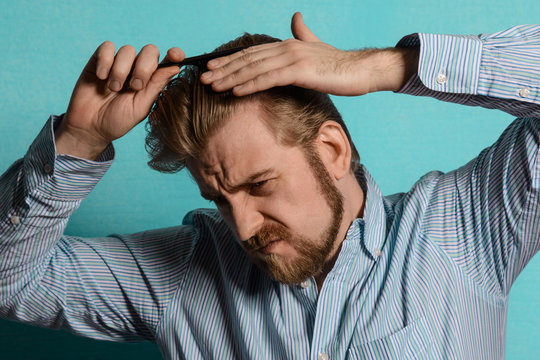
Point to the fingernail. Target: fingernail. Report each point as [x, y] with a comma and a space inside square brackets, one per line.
[115, 85]
[214, 62]
[217, 83]
[207, 75]
[102, 74]
[136, 84]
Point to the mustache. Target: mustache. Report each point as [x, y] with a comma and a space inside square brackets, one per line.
[266, 235]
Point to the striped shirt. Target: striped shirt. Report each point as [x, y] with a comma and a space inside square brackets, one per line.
[425, 274]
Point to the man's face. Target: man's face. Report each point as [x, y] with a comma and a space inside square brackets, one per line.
[281, 203]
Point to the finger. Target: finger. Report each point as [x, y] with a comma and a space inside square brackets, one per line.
[174, 54]
[251, 71]
[161, 77]
[277, 77]
[145, 65]
[103, 58]
[121, 67]
[245, 58]
[245, 53]
[300, 31]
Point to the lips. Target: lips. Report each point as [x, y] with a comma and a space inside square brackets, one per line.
[267, 249]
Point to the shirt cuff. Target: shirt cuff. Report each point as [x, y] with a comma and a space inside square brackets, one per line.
[62, 177]
[447, 63]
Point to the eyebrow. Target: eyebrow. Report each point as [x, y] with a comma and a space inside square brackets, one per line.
[249, 180]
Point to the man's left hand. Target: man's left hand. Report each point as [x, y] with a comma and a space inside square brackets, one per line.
[307, 62]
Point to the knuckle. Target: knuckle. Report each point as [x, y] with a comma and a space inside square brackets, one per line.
[251, 84]
[106, 44]
[151, 48]
[255, 63]
[273, 74]
[104, 51]
[143, 73]
[102, 56]
[129, 49]
[292, 47]
[219, 72]
[289, 43]
[246, 56]
[232, 77]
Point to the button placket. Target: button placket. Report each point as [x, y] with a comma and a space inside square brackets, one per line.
[48, 169]
[322, 356]
[305, 284]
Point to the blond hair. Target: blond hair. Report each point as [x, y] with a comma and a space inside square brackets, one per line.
[188, 112]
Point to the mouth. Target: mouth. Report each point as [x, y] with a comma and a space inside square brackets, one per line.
[268, 248]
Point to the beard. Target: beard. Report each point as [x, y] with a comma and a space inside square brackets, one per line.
[312, 253]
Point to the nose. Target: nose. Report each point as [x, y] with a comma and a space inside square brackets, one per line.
[246, 217]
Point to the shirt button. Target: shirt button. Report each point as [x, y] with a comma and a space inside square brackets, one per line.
[48, 169]
[305, 284]
[440, 79]
[377, 252]
[322, 356]
[524, 92]
[15, 220]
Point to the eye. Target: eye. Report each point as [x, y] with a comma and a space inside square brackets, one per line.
[258, 184]
[257, 187]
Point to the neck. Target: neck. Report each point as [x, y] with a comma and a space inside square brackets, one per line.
[353, 208]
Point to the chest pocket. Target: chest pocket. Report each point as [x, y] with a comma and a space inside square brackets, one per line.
[412, 342]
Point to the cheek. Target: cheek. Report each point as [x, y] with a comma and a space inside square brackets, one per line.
[300, 206]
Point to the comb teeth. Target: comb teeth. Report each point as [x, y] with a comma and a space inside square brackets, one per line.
[204, 58]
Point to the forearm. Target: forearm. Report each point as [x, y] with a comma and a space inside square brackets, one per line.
[94, 287]
[390, 68]
[39, 193]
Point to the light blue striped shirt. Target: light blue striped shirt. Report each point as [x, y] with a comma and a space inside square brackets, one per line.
[425, 274]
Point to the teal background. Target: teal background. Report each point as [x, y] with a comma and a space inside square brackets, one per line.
[45, 44]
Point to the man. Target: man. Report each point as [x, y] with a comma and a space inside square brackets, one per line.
[341, 271]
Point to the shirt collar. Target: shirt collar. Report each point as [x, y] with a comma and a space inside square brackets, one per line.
[365, 237]
[373, 226]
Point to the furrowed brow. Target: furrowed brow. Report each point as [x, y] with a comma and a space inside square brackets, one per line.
[253, 178]
[257, 176]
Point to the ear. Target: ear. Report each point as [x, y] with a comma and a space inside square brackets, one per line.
[334, 149]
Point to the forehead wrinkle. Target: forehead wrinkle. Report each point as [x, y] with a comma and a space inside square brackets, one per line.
[234, 155]
[230, 187]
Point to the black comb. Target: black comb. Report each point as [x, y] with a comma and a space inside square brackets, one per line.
[204, 58]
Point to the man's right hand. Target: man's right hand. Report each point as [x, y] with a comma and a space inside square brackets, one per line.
[113, 94]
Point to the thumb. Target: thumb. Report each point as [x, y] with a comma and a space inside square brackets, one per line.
[161, 77]
[158, 81]
[300, 31]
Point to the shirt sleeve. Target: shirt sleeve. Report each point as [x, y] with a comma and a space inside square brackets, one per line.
[111, 288]
[496, 71]
[486, 214]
